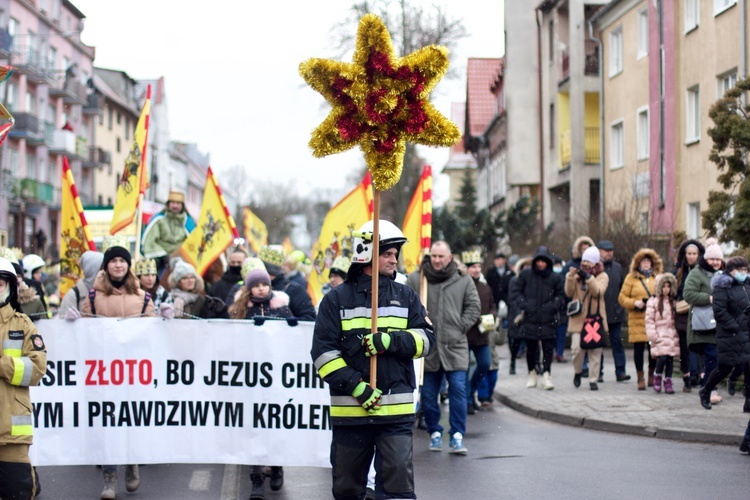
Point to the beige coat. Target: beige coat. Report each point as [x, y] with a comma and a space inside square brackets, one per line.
[119, 304]
[591, 298]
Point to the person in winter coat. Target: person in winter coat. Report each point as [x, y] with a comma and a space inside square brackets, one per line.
[661, 331]
[258, 300]
[514, 330]
[146, 272]
[454, 307]
[636, 290]
[30, 302]
[167, 230]
[588, 285]
[539, 297]
[231, 277]
[731, 304]
[116, 294]
[90, 263]
[187, 290]
[688, 254]
[579, 246]
[698, 293]
[615, 313]
[498, 278]
[479, 334]
[22, 365]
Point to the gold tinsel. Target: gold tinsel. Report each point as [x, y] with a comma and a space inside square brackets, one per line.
[380, 102]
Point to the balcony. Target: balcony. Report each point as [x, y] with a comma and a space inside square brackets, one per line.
[63, 143]
[6, 43]
[590, 147]
[591, 62]
[94, 104]
[31, 190]
[72, 92]
[28, 61]
[97, 158]
[27, 127]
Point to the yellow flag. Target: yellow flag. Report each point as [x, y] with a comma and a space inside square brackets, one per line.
[256, 233]
[336, 234]
[134, 178]
[417, 225]
[75, 237]
[215, 230]
[287, 246]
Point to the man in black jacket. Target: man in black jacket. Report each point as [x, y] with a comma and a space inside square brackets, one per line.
[231, 277]
[615, 312]
[498, 277]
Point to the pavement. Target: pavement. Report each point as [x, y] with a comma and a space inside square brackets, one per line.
[620, 406]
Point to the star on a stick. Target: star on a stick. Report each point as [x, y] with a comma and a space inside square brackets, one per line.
[380, 102]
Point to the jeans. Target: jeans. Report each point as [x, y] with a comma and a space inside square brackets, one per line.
[561, 334]
[482, 355]
[486, 388]
[618, 352]
[456, 395]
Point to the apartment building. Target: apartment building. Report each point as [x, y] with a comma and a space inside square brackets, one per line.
[459, 160]
[570, 153]
[48, 96]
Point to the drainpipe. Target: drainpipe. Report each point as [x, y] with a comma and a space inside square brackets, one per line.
[601, 124]
[660, 20]
[541, 121]
[743, 42]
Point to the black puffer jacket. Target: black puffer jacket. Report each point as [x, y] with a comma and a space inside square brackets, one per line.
[541, 296]
[615, 312]
[221, 288]
[731, 301]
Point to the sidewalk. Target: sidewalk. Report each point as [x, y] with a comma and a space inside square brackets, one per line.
[620, 407]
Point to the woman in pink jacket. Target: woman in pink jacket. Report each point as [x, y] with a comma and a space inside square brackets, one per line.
[661, 330]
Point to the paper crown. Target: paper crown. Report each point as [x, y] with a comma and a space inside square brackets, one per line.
[272, 254]
[115, 241]
[471, 257]
[145, 266]
[176, 196]
[341, 263]
[251, 263]
[8, 253]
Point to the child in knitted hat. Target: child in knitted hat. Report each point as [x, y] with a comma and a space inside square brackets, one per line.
[257, 299]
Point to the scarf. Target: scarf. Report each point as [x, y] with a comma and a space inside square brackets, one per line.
[260, 300]
[646, 274]
[186, 297]
[435, 276]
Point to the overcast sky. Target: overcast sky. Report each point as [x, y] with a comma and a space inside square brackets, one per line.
[231, 76]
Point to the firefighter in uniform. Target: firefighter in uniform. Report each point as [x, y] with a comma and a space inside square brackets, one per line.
[365, 420]
[23, 363]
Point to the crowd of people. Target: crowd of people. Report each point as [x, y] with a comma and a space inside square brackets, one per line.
[453, 312]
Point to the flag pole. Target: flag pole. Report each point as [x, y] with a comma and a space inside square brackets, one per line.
[138, 226]
[375, 278]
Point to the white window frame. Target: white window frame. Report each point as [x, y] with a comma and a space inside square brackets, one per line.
[642, 133]
[692, 14]
[642, 39]
[693, 220]
[616, 145]
[722, 5]
[615, 51]
[693, 115]
[725, 82]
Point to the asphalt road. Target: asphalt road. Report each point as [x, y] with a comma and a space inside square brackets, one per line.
[510, 456]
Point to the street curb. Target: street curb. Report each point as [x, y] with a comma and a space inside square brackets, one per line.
[675, 434]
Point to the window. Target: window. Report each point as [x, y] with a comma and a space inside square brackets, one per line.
[52, 175]
[127, 129]
[725, 82]
[30, 103]
[109, 118]
[643, 134]
[51, 59]
[552, 126]
[119, 117]
[118, 144]
[13, 29]
[722, 5]
[42, 168]
[616, 147]
[12, 96]
[641, 185]
[643, 222]
[693, 115]
[551, 41]
[642, 33]
[31, 166]
[694, 220]
[692, 14]
[615, 51]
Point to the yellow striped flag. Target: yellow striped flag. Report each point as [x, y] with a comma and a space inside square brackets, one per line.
[336, 234]
[287, 247]
[75, 237]
[134, 179]
[417, 225]
[215, 230]
[256, 233]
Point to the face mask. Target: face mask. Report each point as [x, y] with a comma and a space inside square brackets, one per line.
[236, 270]
[557, 269]
[740, 277]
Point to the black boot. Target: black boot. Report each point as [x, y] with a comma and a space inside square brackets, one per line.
[257, 491]
[746, 407]
[745, 445]
[686, 385]
[705, 398]
[277, 478]
[512, 366]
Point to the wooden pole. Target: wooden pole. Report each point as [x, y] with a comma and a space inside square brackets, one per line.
[138, 225]
[375, 278]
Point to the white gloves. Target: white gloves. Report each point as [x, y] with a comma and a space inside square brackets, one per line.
[72, 314]
[166, 311]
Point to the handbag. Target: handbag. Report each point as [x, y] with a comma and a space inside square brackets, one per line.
[682, 307]
[702, 319]
[575, 307]
[593, 334]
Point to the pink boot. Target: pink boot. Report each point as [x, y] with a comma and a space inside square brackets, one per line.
[668, 386]
[657, 382]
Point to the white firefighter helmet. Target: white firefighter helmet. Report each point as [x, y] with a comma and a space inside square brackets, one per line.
[363, 240]
[7, 271]
[31, 263]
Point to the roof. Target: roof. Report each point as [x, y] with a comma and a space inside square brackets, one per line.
[481, 74]
[107, 82]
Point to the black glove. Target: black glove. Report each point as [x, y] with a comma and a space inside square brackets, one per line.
[214, 305]
[259, 320]
[583, 274]
[292, 321]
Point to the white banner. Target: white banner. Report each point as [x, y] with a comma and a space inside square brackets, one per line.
[148, 390]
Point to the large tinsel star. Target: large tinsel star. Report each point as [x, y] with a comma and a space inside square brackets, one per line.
[380, 102]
